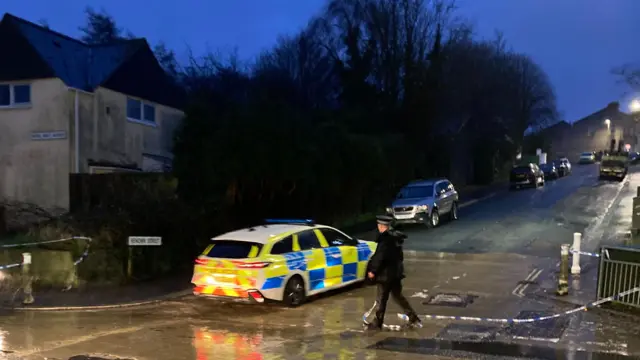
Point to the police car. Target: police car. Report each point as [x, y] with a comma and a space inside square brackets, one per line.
[282, 260]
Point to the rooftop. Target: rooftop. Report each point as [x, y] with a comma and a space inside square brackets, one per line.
[77, 64]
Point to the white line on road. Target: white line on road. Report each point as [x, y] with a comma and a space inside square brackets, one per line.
[81, 339]
[525, 286]
[471, 202]
[515, 291]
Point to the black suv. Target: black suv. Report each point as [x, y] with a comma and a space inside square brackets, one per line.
[526, 175]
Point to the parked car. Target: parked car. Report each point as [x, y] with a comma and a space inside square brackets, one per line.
[614, 166]
[587, 158]
[526, 175]
[279, 261]
[425, 202]
[550, 171]
[563, 165]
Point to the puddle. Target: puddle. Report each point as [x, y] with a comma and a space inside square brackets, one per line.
[450, 347]
[453, 300]
[548, 330]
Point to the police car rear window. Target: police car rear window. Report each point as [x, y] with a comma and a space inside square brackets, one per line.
[230, 249]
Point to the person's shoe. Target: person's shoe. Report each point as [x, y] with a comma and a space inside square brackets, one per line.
[374, 325]
[415, 322]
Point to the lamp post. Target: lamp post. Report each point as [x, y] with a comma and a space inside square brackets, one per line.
[608, 123]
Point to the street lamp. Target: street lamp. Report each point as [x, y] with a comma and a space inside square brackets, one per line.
[635, 106]
[608, 123]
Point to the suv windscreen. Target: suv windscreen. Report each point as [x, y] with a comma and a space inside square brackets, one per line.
[546, 166]
[612, 163]
[587, 154]
[521, 169]
[414, 192]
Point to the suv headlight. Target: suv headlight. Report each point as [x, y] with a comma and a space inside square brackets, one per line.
[422, 208]
[389, 210]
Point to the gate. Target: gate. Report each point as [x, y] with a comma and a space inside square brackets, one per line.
[619, 271]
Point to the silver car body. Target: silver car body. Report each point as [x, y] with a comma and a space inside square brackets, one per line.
[416, 201]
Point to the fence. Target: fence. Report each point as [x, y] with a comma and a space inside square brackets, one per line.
[619, 271]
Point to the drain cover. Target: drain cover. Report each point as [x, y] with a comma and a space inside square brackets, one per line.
[546, 330]
[468, 332]
[455, 300]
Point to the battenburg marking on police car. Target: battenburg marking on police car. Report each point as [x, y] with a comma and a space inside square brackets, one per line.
[145, 240]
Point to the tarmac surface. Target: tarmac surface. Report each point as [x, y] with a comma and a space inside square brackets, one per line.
[491, 264]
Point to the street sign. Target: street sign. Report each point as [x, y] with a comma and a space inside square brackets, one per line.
[49, 135]
[145, 241]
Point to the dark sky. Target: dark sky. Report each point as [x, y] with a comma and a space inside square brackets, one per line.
[577, 42]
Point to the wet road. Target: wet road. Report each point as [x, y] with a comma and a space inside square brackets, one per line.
[329, 327]
[529, 221]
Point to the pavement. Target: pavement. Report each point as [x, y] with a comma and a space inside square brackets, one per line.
[498, 261]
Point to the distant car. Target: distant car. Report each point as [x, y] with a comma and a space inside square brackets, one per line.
[283, 260]
[425, 202]
[550, 171]
[563, 165]
[614, 166]
[526, 175]
[587, 158]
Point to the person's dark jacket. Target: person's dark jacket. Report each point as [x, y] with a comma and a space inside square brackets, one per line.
[387, 262]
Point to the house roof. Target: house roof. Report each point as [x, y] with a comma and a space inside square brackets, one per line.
[611, 110]
[78, 64]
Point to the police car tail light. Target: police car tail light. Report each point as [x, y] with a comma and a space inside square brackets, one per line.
[254, 265]
[201, 262]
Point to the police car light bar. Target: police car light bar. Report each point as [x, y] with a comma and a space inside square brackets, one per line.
[289, 221]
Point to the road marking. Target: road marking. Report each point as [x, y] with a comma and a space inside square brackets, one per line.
[595, 227]
[533, 278]
[471, 202]
[81, 339]
[517, 289]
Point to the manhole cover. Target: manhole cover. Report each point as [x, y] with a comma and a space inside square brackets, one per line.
[455, 300]
[545, 330]
[468, 332]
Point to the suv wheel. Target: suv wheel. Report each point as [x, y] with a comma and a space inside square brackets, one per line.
[454, 211]
[434, 219]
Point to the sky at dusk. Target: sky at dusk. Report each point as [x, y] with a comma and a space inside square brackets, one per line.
[577, 42]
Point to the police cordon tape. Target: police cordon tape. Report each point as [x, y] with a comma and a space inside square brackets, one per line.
[84, 255]
[520, 321]
[571, 251]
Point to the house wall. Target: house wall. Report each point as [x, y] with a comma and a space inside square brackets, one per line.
[107, 135]
[592, 134]
[36, 171]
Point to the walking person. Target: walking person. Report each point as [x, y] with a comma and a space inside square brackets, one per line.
[386, 270]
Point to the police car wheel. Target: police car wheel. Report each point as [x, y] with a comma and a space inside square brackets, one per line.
[294, 293]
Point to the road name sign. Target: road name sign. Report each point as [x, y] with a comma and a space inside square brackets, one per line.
[145, 241]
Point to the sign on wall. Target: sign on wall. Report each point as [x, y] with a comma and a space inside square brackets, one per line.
[48, 135]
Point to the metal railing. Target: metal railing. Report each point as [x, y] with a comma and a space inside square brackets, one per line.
[619, 271]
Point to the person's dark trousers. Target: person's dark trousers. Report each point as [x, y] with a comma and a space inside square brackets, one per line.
[395, 290]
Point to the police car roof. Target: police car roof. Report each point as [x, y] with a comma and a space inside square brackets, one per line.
[262, 234]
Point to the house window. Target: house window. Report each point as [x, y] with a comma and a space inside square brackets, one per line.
[14, 95]
[140, 111]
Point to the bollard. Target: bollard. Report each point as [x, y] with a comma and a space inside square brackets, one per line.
[575, 267]
[563, 278]
[27, 288]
